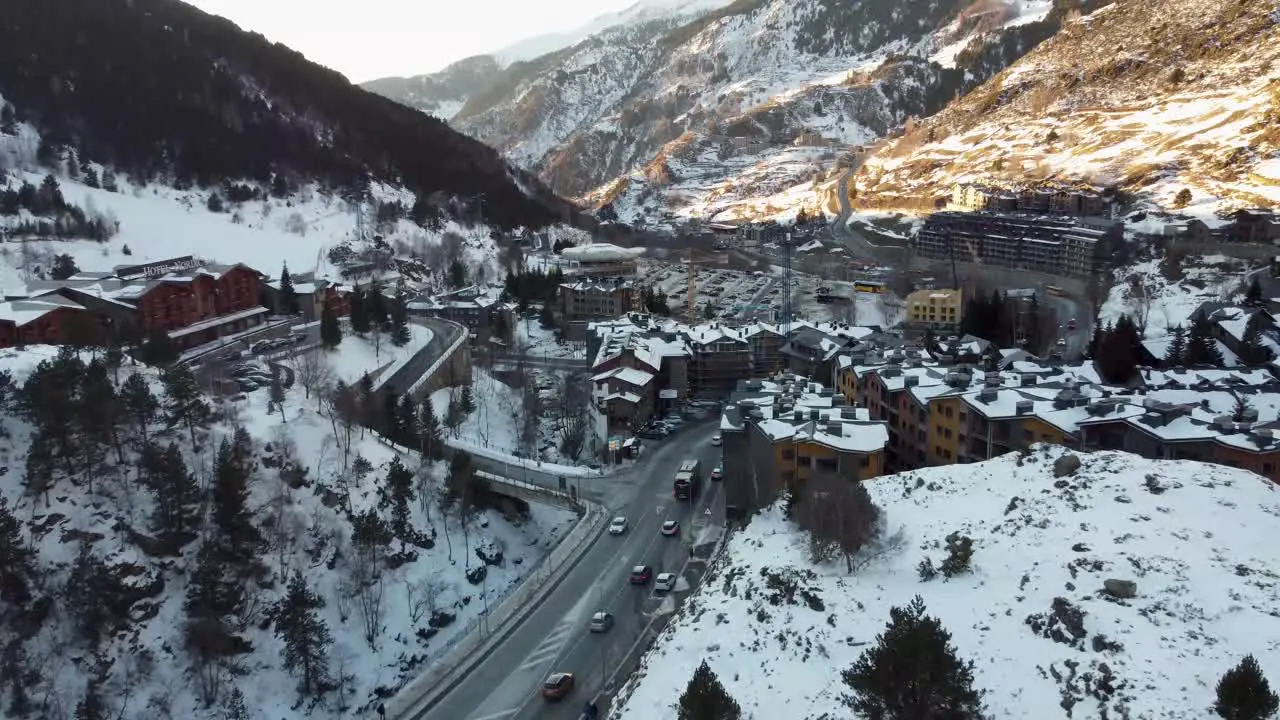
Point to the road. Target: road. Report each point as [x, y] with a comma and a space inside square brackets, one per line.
[854, 242]
[1067, 308]
[444, 334]
[554, 636]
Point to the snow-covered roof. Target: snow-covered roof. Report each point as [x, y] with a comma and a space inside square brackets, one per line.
[600, 252]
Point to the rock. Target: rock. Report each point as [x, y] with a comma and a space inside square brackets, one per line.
[1066, 465]
[1121, 588]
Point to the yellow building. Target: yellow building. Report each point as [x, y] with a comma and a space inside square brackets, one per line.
[937, 308]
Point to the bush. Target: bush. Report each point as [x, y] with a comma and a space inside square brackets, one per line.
[927, 570]
[959, 555]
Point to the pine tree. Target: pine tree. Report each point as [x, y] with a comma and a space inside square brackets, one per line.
[1251, 350]
[913, 672]
[377, 305]
[432, 439]
[398, 491]
[1176, 354]
[400, 335]
[546, 316]
[175, 517]
[1241, 406]
[1202, 348]
[1095, 339]
[391, 416]
[109, 180]
[233, 469]
[1245, 694]
[330, 328]
[468, 402]
[17, 559]
[184, 404]
[306, 636]
[212, 592]
[288, 297]
[705, 698]
[234, 708]
[1253, 296]
[360, 323]
[407, 421]
[159, 349]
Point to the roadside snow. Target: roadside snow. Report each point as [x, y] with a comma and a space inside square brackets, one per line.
[1196, 539]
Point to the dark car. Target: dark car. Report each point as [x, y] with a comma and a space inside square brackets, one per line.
[641, 574]
[589, 711]
[557, 686]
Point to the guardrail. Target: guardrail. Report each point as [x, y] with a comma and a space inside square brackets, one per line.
[440, 361]
[471, 648]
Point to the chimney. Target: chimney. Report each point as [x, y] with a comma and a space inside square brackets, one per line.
[835, 428]
[1024, 407]
[1028, 380]
[1250, 415]
[1224, 424]
[992, 380]
[911, 381]
[987, 395]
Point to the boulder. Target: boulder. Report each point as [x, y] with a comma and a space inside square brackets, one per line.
[1120, 588]
[1066, 465]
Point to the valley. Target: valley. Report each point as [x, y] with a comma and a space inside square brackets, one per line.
[702, 359]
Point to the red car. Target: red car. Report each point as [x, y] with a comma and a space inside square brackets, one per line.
[557, 686]
[641, 574]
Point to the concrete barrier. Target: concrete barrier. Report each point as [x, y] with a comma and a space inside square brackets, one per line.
[421, 693]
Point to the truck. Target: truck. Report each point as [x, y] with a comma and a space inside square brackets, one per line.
[688, 480]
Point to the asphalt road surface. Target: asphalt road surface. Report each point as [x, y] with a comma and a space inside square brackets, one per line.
[444, 334]
[555, 636]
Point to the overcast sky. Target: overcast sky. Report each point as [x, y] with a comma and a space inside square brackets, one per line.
[368, 39]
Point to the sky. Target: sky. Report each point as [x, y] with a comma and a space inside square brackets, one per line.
[370, 39]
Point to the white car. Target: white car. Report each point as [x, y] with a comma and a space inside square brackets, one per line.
[618, 526]
[717, 439]
[665, 582]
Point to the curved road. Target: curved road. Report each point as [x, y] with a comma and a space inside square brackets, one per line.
[443, 335]
[554, 636]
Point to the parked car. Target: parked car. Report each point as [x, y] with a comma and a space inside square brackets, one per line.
[641, 575]
[665, 582]
[601, 622]
[618, 526]
[557, 685]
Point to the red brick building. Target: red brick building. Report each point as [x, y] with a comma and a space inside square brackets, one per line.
[199, 306]
[50, 320]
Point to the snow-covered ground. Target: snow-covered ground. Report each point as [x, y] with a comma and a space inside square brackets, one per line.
[308, 530]
[376, 355]
[492, 430]
[1142, 289]
[1195, 538]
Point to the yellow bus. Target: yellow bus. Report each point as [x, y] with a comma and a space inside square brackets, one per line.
[868, 286]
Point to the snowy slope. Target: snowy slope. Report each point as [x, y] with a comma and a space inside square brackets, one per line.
[1114, 101]
[308, 531]
[156, 221]
[1195, 538]
[642, 11]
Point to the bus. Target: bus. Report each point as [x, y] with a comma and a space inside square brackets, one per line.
[688, 480]
[868, 286]
[1053, 290]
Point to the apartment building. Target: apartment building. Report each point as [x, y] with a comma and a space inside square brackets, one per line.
[1060, 201]
[597, 299]
[780, 432]
[937, 414]
[1046, 244]
[943, 309]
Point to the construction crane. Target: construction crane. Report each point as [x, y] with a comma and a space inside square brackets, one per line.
[692, 274]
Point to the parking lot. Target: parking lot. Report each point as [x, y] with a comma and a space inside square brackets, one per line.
[740, 297]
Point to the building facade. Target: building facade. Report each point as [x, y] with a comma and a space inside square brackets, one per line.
[935, 308]
[1051, 245]
[597, 300]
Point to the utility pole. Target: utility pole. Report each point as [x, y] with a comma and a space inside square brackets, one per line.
[787, 317]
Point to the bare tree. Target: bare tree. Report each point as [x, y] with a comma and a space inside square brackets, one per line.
[313, 372]
[530, 411]
[369, 536]
[421, 597]
[371, 608]
[1141, 295]
[838, 514]
[575, 397]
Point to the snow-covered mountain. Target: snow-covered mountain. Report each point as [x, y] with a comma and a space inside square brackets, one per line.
[764, 71]
[639, 12]
[1123, 588]
[1190, 102]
